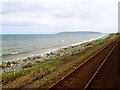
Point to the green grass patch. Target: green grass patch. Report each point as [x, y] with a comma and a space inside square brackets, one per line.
[111, 36]
[98, 41]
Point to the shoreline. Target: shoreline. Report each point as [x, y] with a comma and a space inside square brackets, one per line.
[17, 64]
[67, 46]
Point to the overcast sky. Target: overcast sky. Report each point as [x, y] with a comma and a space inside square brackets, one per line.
[52, 16]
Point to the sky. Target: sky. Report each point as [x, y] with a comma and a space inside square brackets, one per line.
[52, 16]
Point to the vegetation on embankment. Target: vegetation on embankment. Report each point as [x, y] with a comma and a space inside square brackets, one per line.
[48, 72]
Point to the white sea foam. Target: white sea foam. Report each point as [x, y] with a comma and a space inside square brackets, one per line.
[62, 40]
[89, 40]
[14, 53]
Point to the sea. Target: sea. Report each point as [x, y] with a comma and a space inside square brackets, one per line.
[14, 46]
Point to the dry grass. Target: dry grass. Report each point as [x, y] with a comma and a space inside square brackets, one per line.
[27, 79]
[18, 80]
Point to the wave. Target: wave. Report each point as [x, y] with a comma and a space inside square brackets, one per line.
[14, 53]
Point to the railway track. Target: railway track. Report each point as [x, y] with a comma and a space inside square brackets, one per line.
[83, 75]
[105, 79]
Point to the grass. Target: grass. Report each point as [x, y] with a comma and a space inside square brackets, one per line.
[45, 67]
[28, 65]
[10, 76]
[112, 35]
[98, 41]
[50, 70]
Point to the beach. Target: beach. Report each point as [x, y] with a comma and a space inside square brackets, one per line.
[24, 45]
[34, 60]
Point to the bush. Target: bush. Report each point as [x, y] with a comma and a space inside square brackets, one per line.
[117, 33]
[98, 41]
[89, 44]
[112, 35]
[27, 65]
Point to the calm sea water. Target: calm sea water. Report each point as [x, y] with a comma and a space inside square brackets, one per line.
[17, 46]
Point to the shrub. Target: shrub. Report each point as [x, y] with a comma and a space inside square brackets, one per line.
[98, 41]
[27, 65]
[117, 33]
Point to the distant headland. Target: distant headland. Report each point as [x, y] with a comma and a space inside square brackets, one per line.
[79, 32]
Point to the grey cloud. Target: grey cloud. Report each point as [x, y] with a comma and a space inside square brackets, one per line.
[94, 16]
[12, 23]
[12, 7]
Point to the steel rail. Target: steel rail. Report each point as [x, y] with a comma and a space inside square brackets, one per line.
[52, 86]
[89, 82]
